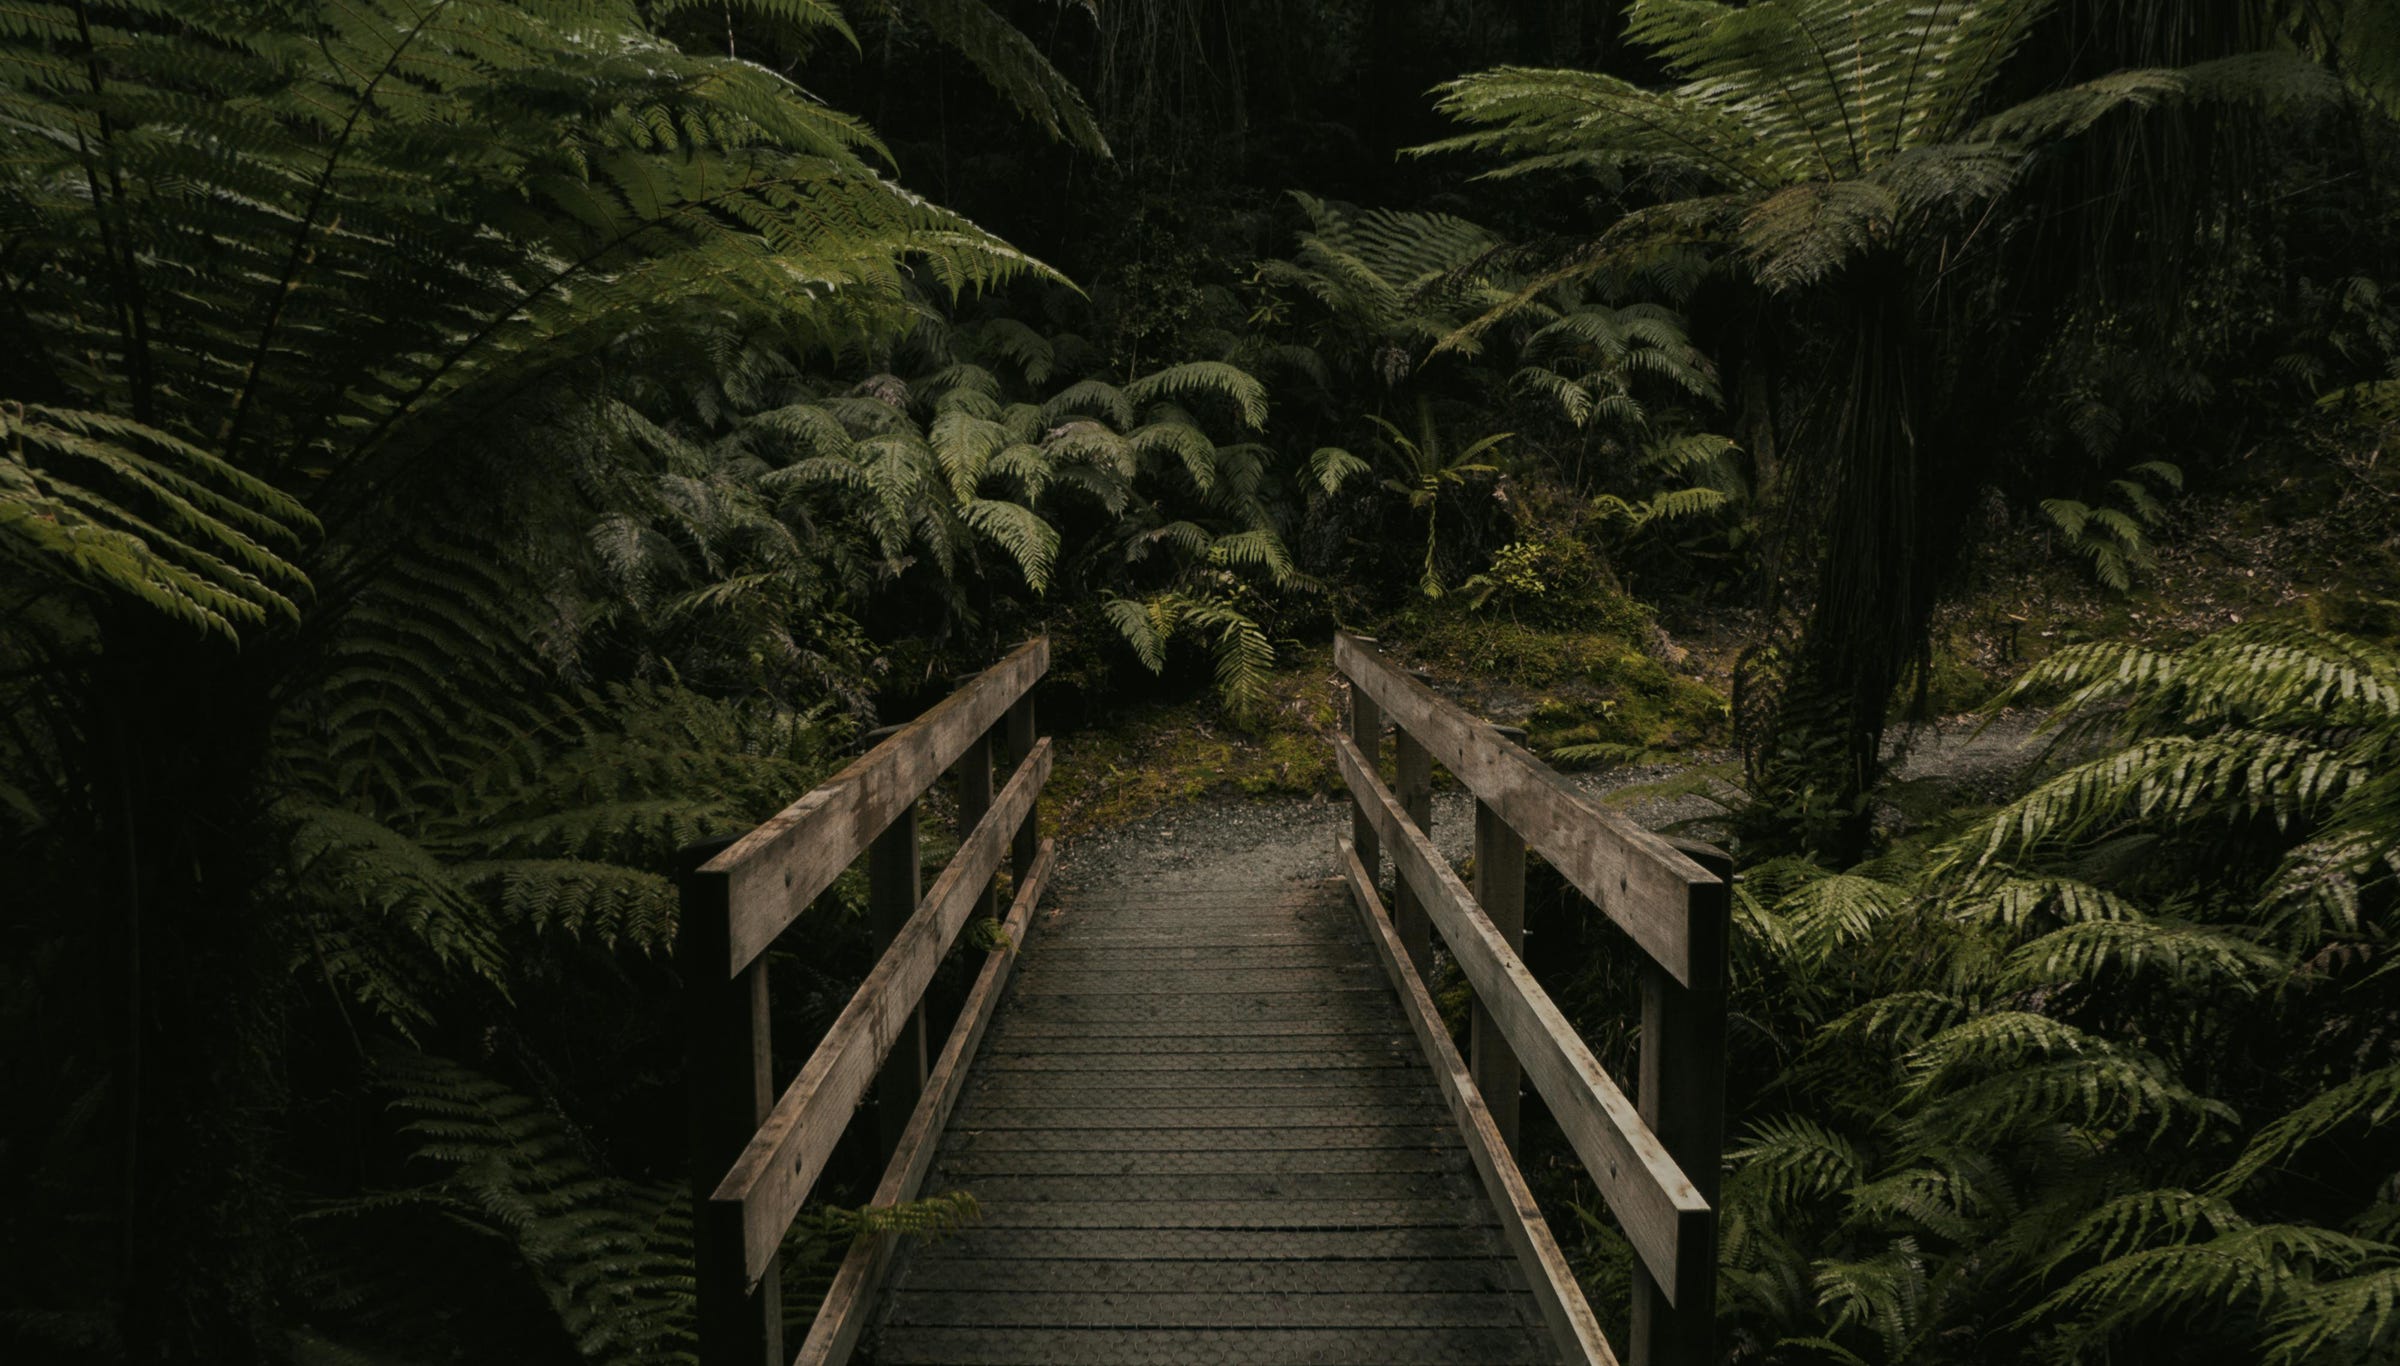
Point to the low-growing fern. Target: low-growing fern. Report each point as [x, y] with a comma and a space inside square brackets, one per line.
[2099, 1073]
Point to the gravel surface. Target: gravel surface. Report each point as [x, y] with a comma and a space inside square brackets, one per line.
[1231, 840]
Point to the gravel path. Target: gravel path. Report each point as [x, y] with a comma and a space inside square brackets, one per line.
[1207, 844]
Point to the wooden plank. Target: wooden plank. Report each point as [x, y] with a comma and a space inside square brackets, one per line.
[781, 866]
[1366, 731]
[1413, 772]
[1023, 848]
[845, 1310]
[1569, 1315]
[895, 883]
[1660, 1209]
[1500, 891]
[1682, 1094]
[1638, 879]
[929, 1346]
[765, 1189]
[729, 1069]
[974, 770]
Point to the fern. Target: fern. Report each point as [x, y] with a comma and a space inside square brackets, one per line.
[214, 552]
[615, 1271]
[2099, 1073]
[2115, 539]
[1820, 159]
[2252, 1270]
[1013, 66]
[1243, 656]
[1789, 1160]
[1389, 282]
[2342, 1318]
[2371, 1096]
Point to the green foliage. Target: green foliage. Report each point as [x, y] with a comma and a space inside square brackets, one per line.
[1704, 484]
[1391, 283]
[2053, 1077]
[74, 508]
[1014, 67]
[1814, 168]
[313, 717]
[2115, 536]
[610, 1257]
[1859, 167]
[1425, 468]
[975, 440]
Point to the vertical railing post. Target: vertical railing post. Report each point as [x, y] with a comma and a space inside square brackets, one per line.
[974, 770]
[895, 883]
[1500, 891]
[1366, 731]
[729, 1062]
[1415, 791]
[1021, 737]
[1682, 1094]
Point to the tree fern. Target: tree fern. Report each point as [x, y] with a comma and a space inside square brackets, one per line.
[601, 1250]
[1838, 156]
[214, 552]
[2085, 1077]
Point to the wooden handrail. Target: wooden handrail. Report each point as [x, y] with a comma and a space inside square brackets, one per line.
[772, 1178]
[1638, 879]
[843, 1315]
[1661, 1210]
[1656, 1165]
[755, 1156]
[771, 874]
[1551, 1280]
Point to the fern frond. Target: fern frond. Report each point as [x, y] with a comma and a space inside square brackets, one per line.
[593, 1243]
[2373, 1097]
[1205, 379]
[1788, 1160]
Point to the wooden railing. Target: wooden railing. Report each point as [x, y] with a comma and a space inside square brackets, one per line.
[755, 1155]
[1656, 1164]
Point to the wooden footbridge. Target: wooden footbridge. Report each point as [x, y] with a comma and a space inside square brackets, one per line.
[1222, 1125]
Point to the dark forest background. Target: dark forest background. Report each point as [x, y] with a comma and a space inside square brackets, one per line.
[455, 453]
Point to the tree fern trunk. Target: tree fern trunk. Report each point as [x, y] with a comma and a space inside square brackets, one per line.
[195, 1084]
[1888, 521]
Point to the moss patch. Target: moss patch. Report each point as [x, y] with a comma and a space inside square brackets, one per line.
[1153, 756]
[1567, 687]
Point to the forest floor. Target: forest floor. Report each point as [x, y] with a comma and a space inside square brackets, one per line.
[2309, 533]
[1207, 842]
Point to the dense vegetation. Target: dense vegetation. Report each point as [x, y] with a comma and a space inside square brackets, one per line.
[459, 451]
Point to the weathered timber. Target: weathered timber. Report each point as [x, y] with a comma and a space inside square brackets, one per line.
[729, 1067]
[1660, 1209]
[974, 770]
[776, 870]
[895, 883]
[1569, 1316]
[1413, 772]
[1148, 1196]
[1366, 731]
[765, 1189]
[1682, 1093]
[1500, 891]
[1026, 844]
[1638, 879]
[844, 1312]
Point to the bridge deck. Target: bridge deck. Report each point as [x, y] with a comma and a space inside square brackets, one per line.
[1201, 1131]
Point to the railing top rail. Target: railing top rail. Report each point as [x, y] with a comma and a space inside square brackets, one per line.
[1669, 904]
[1656, 1203]
[763, 1192]
[771, 874]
